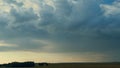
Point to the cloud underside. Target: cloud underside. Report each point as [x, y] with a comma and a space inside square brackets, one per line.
[60, 25]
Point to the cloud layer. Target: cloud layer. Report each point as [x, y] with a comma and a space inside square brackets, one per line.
[61, 25]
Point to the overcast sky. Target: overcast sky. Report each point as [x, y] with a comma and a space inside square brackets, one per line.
[60, 30]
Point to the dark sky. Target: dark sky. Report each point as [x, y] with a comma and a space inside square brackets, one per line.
[86, 29]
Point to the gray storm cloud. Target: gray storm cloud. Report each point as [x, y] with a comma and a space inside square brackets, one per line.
[61, 25]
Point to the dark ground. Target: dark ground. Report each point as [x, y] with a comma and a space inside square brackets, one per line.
[75, 65]
[83, 65]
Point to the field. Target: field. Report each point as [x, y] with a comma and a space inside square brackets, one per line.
[77, 65]
[82, 65]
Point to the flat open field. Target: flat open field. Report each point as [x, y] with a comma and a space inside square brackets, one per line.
[82, 65]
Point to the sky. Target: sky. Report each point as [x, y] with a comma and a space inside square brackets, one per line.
[59, 30]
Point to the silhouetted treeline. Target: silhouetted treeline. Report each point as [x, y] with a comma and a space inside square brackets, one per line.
[19, 64]
[43, 64]
[23, 64]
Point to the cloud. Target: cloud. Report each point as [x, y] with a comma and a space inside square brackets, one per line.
[3, 44]
[12, 2]
[61, 25]
[111, 10]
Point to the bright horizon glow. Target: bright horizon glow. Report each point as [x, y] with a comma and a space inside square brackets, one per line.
[23, 56]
